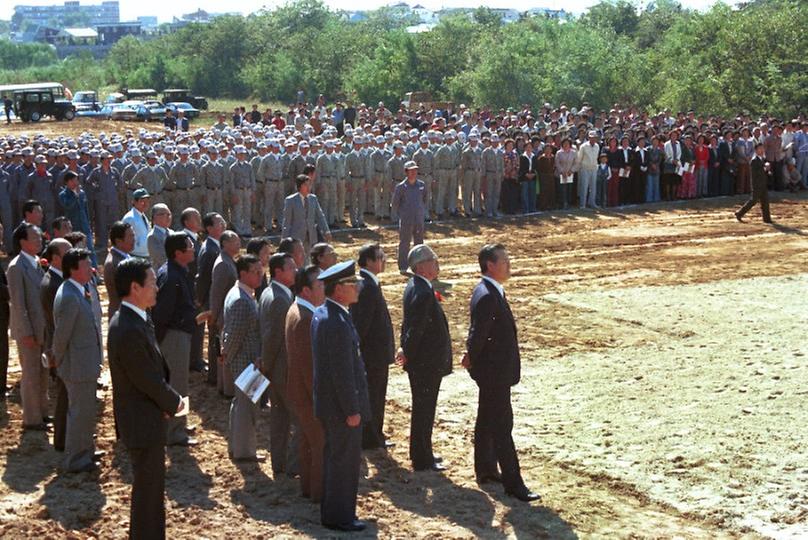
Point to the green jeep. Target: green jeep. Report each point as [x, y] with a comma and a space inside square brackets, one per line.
[32, 105]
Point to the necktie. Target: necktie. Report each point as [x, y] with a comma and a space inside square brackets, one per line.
[145, 221]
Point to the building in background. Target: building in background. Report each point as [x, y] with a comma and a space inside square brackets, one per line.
[71, 14]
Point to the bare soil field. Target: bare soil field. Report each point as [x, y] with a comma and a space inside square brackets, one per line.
[663, 396]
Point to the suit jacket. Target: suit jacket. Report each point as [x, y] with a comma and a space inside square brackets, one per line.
[525, 167]
[274, 304]
[77, 345]
[140, 389]
[174, 309]
[758, 173]
[223, 277]
[140, 225]
[492, 345]
[47, 292]
[300, 370]
[204, 271]
[425, 335]
[241, 341]
[339, 378]
[192, 265]
[297, 222]
[156, 242]
[4, 296]
[110, 264]
[27, 315]
[373, 325]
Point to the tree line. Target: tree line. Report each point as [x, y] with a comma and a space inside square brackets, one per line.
[720, 61]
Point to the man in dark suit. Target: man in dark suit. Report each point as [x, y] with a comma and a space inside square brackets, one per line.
[191, 222]
[760, 193]
[726, 164]
[48, 287]
[142, 397]
[214, 225]
[274, 304]
[174, 317]
[493, 361]
[340, 396]
[5, 314]
[121, 242]
[77, 352]
[425, 353]
[375, 329]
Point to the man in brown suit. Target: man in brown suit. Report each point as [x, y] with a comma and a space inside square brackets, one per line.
[122, 242]
[300, 379]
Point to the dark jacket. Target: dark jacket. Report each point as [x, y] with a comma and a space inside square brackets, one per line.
[525, 166]
[372, 320]
[492, 344]
[425, 335]
[175, 301]
[340, 380]
[204, 264]
[47, 290]
[140, 389]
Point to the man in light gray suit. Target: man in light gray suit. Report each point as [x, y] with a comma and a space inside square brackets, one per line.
[28, 323]
[275, 302]
[156, 241]
[77, 353]
[302, 216]
[223, 277]
[241, 346]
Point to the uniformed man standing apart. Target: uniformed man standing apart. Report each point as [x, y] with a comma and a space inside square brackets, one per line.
[424, 157]
[760, 193]
[142, 398]
[77, 353]
[409, 204]
[340, 396]
[241, 346]
[492, 358]
[375, 330]
[174, 321]
[28, 324]
[425, 354]
[242, 185]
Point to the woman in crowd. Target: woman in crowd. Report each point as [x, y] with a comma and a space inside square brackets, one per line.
[528, 167]
[510, 183]
[687, 189]
[702, 166]
[546, 172]
[565, 167]
[655, 158]
[616, 162]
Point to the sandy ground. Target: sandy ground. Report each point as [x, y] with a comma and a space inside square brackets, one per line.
[663, 396]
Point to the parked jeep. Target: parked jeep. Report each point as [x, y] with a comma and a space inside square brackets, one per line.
[32, 105]
[184, 95]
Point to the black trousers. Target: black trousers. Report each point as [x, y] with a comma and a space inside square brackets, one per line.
[493, 443]
[283, 435]
[341, 460]
[214, 349]
[147, 518]
[424, 388]
[197, 339]
[60, 415]
[4, 321]
[759, 195]
[373, 429]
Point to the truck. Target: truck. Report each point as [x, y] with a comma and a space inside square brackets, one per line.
[184, 95]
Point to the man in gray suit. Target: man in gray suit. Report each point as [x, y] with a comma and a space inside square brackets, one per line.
[224, 276]
[121, 244]
[241, 346]
[28, 323]
[303, 217]
[156, 241]
[275, 302]
[77, 353]
[214, 225]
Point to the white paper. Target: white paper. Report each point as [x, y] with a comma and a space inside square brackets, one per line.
[186, 406]
[252, 382]
[624, 173]
[681, 170]
[566, 179]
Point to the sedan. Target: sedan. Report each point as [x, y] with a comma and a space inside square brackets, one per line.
[187, 109]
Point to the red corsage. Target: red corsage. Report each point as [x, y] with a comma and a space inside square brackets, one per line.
[43, 262]
[438, 296]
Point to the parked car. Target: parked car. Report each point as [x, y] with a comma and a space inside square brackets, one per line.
[187, 109]
[33, 105]
[102, 113]
[86, 100]
[183, 95]
[115, 97]
[125, 111]
[151, 111]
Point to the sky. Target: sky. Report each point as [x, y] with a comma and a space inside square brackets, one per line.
[131, 9]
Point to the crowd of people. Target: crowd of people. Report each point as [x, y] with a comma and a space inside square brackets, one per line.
[176, 220]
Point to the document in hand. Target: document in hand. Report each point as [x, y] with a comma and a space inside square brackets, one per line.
[252, 382]
[566, 178]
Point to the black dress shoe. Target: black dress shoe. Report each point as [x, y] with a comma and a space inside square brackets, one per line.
[526, 495]
[388, 444]
[199, 368]
[47, 419]
[98, 454]
[190, 428]
[489, 477]
[434, 467]
[437, 459]
[353, 526]
[90, 467]
[35, 427]
[187, 442]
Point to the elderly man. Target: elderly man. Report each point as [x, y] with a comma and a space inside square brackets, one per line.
[223, 278]
[409, 204]
[121, 243]
[587, 170]
[241, 346]
[77, 353]
[425, 353]
[28, 324]
[214, 225]
[340, 396]
[136, 217]
[156, 241]
[323, 255]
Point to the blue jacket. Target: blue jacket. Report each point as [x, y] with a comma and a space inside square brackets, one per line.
[340, 381]
[76, 210]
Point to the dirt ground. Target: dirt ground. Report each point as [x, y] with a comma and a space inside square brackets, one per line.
[663, 396]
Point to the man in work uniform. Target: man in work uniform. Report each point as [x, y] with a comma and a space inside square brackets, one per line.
[356, 170]
[212, 181]
[394, 175]
[379, 158]
[242, 185]
[271, 169]
[442, 163]
[471, 170]
[339, 158]
[105, 182]
[424, 157]
[39, 187]
[152, 177]
[456, 147]
[127, 179]
[258, 208]
[181, 180]
[327, 181]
